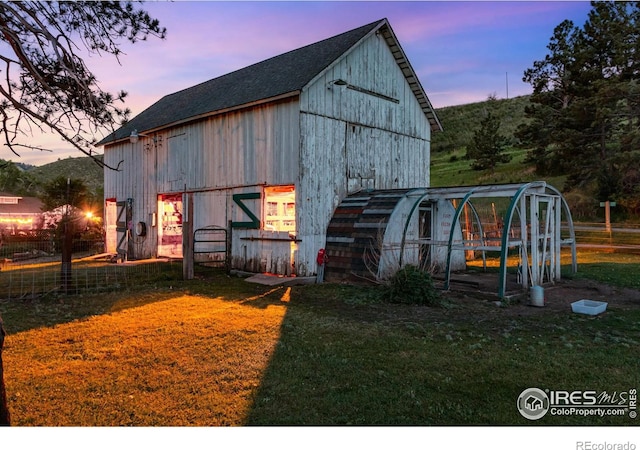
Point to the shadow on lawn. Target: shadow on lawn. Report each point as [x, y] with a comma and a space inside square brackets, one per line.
[336, 361]
[54, 309]
[343, 357]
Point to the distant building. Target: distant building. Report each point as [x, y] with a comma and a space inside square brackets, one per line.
[19, 213]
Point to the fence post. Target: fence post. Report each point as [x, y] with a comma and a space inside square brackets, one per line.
[187, 237]
[67, 249]
[4, 410]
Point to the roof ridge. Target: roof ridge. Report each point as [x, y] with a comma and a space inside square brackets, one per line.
[276, 77]
[289, 52]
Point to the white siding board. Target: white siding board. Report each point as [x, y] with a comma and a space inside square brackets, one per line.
[370, 66]
[354, 140]
[321, 187]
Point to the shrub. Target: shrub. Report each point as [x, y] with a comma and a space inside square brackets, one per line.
[411, 285]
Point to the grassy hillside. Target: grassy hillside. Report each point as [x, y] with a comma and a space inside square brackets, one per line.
[448, 164]
[83, 168]
[460, 122]
[451, 169]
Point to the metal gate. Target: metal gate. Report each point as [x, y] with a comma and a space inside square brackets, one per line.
[211, 247]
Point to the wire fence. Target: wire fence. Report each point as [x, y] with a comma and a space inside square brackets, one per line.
[32, 267]
[20, 281]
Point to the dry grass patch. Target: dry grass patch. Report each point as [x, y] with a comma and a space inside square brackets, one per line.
[188, 360]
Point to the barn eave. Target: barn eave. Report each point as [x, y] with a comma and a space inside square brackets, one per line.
[131, 126]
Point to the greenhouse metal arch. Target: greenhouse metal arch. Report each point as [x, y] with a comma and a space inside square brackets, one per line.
[539, 248]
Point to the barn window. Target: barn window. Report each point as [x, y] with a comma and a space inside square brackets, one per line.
[280, 208]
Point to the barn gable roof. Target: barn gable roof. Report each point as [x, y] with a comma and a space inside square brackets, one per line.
[278, 77]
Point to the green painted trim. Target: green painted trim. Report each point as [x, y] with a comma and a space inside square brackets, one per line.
[254, 223]
[456, 218]
[406, 225]
[505, 238]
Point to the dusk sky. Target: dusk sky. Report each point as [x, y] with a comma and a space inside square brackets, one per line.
[462, 51]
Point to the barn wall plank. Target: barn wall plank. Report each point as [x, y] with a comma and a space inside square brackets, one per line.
[355, 140]
[213, 158]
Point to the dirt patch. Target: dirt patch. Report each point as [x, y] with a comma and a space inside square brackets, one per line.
[559, 297]
[471, 305]
[557, 300]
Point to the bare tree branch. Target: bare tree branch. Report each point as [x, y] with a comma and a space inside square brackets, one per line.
[47, 85]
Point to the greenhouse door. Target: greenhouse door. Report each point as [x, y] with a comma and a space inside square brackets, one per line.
[425, 233]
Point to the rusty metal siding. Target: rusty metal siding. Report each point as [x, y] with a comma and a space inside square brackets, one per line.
[355, 235]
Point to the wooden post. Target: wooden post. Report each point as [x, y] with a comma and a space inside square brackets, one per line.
[4, 410]
[229, 245]
[607, 216]
[187, 237]
[67, 245]
[67, 251]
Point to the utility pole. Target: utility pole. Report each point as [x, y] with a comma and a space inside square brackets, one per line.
[506, 77]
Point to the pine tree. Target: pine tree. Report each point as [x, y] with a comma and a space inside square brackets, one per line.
[486, 149]
[585, 107]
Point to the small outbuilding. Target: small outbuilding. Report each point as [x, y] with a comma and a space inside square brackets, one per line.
[374, 233]
[19, 213]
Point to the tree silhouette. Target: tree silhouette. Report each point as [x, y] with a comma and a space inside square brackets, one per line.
[486, 149]
[46, 85]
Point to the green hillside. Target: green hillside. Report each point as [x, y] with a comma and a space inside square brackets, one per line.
[83, 168]
[448, 164]
[451, 169]
[460, 122]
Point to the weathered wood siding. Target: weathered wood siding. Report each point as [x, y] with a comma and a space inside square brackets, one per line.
[352, 139]
[236, 152]
[328, 142]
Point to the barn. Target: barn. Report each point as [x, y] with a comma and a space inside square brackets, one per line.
[265, 155]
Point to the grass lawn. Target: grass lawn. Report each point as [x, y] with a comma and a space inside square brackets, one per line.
[220, 351]
[452, 169]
